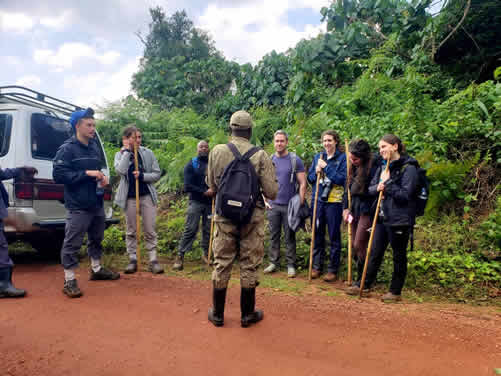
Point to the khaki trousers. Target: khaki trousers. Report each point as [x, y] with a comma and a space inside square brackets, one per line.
[148, 212]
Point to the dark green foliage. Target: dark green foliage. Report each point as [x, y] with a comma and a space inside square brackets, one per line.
[473, 51]
[176, 36]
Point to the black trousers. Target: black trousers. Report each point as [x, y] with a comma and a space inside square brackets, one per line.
[398, 237]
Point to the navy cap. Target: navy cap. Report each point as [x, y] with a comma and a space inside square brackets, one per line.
[81, 114]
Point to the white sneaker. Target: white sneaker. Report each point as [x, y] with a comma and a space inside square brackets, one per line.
[291, 272]
[270, 269]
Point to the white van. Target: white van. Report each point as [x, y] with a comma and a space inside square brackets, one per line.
[32, 127]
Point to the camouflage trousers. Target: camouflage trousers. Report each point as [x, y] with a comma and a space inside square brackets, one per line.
[246, 243]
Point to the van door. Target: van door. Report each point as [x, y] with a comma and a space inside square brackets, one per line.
[7, 153]
[47, 134]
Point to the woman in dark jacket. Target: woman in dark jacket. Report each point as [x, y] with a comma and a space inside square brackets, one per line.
[397, 214]
[362, 169]
[331, 164]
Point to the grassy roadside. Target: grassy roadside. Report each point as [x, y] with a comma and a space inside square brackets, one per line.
[275, 283]
[299, 286]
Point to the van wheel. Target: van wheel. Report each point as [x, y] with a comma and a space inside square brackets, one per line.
[49, 244]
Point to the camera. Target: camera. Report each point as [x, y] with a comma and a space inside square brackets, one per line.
[327, 186]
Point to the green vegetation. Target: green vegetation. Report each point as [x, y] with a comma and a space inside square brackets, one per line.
[382, 66]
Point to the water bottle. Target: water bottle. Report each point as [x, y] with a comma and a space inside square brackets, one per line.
[99, 188]
[423, 195]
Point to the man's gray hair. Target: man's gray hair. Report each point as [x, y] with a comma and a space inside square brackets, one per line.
[280, 131]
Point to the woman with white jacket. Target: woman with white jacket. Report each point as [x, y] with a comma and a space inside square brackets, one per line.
[148, 173]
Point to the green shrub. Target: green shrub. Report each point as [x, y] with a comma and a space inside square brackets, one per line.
[489, 234]
[114, 240]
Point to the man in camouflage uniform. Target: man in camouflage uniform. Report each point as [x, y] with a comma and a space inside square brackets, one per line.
[244, 241]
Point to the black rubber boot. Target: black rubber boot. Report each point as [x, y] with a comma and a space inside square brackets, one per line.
[250, 315]
[216, 313]
[7, 290]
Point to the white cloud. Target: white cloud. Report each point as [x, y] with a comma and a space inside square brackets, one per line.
[100, 87]
[311, 4]
[230, 28]
[15, 22]
[59, 22]
[12, 60]
[30, 81]
[69, 53]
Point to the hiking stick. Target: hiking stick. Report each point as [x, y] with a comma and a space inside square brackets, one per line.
[349, 208]
[138, 222]
[211, 231]
[373, 229]
[313, 224]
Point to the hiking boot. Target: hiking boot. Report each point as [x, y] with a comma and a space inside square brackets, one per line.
[291, 272]
[131, 268]
[216, 313]
[250, 315]
[7, 289]
[270, 269]
[155, 267]
[355, 290]
[315, 274]
[330, 277]
[389, 297]
[178, 264]
[103, 274]
[71, 289]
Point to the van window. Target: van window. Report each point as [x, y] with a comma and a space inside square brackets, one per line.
[5, 127]
[48, 133]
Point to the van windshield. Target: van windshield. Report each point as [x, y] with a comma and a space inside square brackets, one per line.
[48, 133]
[5, 127]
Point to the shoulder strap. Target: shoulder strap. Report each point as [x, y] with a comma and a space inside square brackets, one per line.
[234, 150]
[251, 152]
[293, 157]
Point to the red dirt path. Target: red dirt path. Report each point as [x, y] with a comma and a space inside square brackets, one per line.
[157, 325]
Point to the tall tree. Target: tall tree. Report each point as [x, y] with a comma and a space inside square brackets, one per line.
[181, 67]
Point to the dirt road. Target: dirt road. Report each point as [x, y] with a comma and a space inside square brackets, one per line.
[157, 325]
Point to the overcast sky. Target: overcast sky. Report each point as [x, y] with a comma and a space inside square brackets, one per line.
[86, 51]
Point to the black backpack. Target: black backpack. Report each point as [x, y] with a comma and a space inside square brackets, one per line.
[422, 189]
[239, 188]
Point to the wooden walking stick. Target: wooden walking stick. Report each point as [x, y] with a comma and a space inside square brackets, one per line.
[348, 193]
[211, 231]
[138, 222]
[373, 229]
[313, 224]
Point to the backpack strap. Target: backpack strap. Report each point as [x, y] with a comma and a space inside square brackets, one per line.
[234, 150]
[293, 164]
[251, 152]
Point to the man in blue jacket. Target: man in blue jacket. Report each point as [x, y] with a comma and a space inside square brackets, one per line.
[195, 172]
[77, 165]
[7, 290]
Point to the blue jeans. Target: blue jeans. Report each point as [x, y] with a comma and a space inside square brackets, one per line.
[328, 215]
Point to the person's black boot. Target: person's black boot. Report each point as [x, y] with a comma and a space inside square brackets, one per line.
[250, 315]
[360, 270]
[7, 290]
[216, 313]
